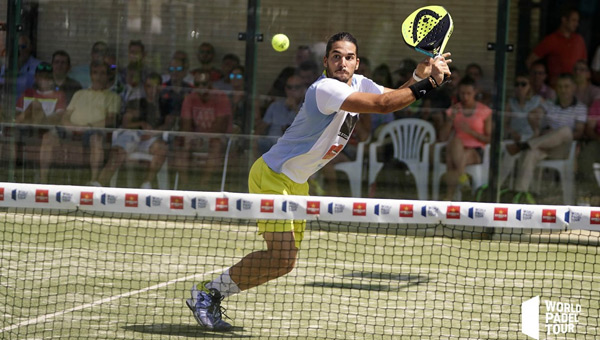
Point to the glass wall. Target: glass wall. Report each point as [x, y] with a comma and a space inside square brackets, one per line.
[186, 95]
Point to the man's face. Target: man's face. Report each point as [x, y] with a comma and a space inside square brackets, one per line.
[205, 54]
[135, 54]
[565, 89]
[538, 75]
[99, 52]
[60, 65]
[581, 72]
[99, 76]
[342, 61]
[24, 49]
[571, 22]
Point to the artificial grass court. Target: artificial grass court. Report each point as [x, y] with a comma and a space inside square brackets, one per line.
[81, 276]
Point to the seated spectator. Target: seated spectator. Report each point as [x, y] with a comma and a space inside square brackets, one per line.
[563, 123]
[114, 82]
[280, 114]
[228, 63]
[26, 64]
[136, 55]
[41, 104]
[133, 89]
[303, 53]
[482, 84]
[595, 66]
[184, 63]
[309, 72]
[204, 111]
[61, 65]
[81, 73]
[538, 77]
[91, 108]
[587, 186]
[238, 99]
[436, 102]
[522, 120]
[364, 67]
[206, 55]
[586, 92]
[471, 124]
[174, 90]
[142, 119]
[523, 112]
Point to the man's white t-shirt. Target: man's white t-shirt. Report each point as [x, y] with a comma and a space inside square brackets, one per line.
[320, 130]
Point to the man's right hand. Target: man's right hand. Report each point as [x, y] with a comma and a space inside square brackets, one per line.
[440, 69]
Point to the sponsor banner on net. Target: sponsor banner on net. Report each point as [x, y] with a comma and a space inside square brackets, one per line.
[559, 318]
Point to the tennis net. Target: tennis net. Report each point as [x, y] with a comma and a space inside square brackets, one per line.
[109, 263]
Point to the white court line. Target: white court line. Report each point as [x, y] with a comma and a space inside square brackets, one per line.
[46, 317]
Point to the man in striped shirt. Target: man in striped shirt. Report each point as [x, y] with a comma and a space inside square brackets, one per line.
[564, 122]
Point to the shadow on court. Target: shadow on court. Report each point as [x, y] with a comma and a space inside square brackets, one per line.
[394, 281]
[189, 331]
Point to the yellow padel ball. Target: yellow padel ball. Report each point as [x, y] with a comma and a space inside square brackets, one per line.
[280, 42]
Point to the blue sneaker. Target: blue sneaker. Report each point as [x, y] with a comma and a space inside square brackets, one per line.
[206, 306]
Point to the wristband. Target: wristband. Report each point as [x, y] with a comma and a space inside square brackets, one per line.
[416, 77]
[419, 89]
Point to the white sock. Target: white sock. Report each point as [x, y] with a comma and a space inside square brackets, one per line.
[224, 284]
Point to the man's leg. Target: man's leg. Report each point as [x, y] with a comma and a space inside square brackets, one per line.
[115, 160]
[158, 150]
[96, 155]
[49, 142]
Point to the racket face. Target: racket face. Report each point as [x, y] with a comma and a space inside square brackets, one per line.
[428, 30]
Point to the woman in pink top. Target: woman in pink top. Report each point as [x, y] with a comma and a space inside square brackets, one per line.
[467, 129]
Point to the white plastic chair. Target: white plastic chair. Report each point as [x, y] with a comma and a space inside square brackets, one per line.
[162, 176]
[566, 171]
[354, 169]
[479, 172]
[411, 139]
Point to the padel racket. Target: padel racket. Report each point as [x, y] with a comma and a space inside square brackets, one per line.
[428, 30]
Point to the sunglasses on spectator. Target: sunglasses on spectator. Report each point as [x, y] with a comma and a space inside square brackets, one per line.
[238, 76]
[294, 87]
[521, 83]
[173, 68]
[44, 67]
[200, 83]
[112, 66]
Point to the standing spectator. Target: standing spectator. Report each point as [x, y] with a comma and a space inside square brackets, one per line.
[587, 186]
[26, 63]
[471, 123]
[281, 113]
[42, 103]
[81, 73]
[142, 119]
[95, 107]
[563, 123]
[206, 56]
[562, 48]
[586, 92]
[61, 65]
[205, 111]
[538, 77]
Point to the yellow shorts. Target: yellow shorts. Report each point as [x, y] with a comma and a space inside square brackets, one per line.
[263, 180]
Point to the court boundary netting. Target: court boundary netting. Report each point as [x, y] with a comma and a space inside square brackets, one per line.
[90, 263]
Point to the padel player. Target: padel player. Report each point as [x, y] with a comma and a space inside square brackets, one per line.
[319, 132]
